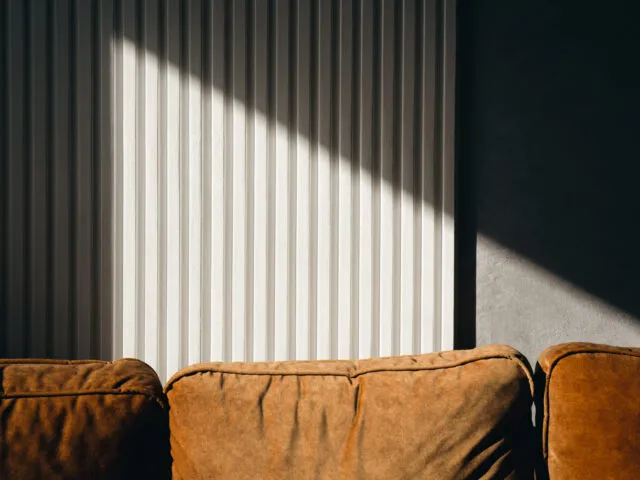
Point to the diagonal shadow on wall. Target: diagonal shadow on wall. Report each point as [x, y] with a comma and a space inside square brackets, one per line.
[547, 148]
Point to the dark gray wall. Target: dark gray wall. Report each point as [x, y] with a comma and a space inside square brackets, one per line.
[548, 161]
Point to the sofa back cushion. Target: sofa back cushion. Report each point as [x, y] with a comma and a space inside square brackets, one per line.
[82, 420]
[589, 404]
[461, 414]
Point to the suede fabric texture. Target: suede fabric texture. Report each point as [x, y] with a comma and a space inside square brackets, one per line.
[589, 397]
[450, 415]
[82, 420]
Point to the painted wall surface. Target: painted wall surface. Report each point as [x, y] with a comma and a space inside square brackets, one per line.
[226, 180]
[548, 143]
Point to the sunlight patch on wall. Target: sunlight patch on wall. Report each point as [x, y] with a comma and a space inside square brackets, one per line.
[278, 182]
[532, 308]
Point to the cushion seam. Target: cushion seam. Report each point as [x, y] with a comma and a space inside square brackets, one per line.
[44, 361]
[19, 396]
[349, 376]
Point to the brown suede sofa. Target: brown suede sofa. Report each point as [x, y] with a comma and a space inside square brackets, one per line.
[450, 415]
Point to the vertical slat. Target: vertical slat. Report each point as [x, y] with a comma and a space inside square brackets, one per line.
[238, 286]
[49, 201]
[407, 193]
[61, 186]
[396, 179]
[83, 180]
[292, 176]
[150, 186]
[416, 127]
[345, 207]
[249, 178]
[104, 64]
[184, 142]
[17, 216]
[194, 133]
[260, 150]
[228, 154]
[271, 183]
[366, 293]
[3, 174]
[313, 180]
[163, 208]
[207, 147]
[446, 261]
[136, 42]
[129, 159]
[117, 152]
[334, 205]
[217, 206]
[376, 165]
[303, 172]
[282, 241]
[323, 200]
[427, 200]
[173, 178]
[354, 156]
[387, 179]
[38, 181]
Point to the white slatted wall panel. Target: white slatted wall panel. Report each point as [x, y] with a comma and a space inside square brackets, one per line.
[185, 181]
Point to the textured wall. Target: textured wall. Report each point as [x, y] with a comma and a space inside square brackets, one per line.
[232, 180]
[548, 160]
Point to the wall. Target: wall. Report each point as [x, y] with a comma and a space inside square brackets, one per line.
[226, 180]
[547, 143]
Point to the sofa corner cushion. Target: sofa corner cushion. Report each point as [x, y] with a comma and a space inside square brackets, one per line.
[82, 419]
[459, 414]
[589, 396]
